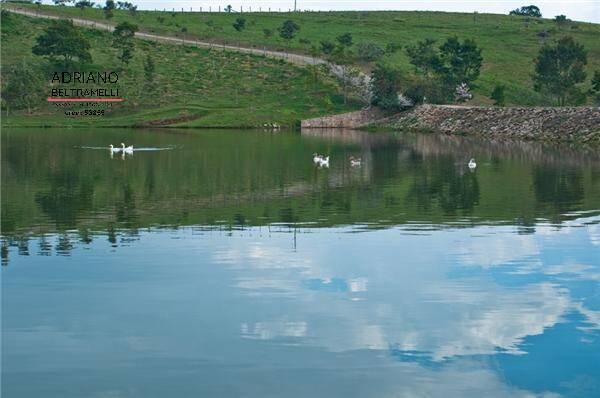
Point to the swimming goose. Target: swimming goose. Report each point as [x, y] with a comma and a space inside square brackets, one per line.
[128, 149]
[355, 162]
[472, 164]
[113, 149]
[324, 162]
[317, 158]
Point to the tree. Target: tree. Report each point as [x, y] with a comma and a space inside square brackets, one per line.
[123, 40]
[63, 39]
[61, 2]
[83, 4]
[23, 88]
[345, 39]
[561, 20]
[268, 33]
[449, 66]
[108, 9]
[369, 51]
[229, 8]
[425, 57]
[327, 47]
[498, 95]
[527, 11]
[239, 24]
[384, 86]
[149, 72]
[461, 62]
[595, 90]
[288, 30]
[559, 68]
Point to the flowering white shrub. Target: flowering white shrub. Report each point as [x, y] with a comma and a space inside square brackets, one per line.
[462, 93]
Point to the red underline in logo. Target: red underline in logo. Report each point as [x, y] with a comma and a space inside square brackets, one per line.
[54, 99]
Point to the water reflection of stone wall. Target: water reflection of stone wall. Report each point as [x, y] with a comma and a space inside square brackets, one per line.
[579, 124]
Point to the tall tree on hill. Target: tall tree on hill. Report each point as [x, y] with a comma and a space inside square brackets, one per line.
[461, 62]
[449, 66]
[81, 4]
[288, 30]
[109, 8]
[123, 40]
[384, 85]
[559, 68]
[63, 39]
[527, 11]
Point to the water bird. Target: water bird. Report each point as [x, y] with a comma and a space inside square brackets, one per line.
[317, 158]
[355, 162]
[113, 149]
[128, 149]
[324, 162]
[472, 164]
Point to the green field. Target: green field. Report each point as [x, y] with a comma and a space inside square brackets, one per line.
[509, 43]
[194, 87]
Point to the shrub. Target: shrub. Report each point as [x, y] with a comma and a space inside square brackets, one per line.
[369, 52]
[498, 95]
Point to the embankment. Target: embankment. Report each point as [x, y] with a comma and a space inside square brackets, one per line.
[564, 124]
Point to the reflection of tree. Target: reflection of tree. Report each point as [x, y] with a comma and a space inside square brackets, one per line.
[67, 198]
[126, 209]
[560, 188]
[439, 181]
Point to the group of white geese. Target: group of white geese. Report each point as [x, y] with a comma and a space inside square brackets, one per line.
[323, 161]
[319, 160]
[123, 149]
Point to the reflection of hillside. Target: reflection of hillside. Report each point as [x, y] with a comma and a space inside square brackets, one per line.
[245, 179]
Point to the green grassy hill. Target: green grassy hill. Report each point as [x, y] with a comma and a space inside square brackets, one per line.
[509, 43]
[194, 87]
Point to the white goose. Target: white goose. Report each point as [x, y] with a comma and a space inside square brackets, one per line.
[355, 162]
[317, 158]
[324, 162]
[128, 149]
[113, 149]
[472, 164]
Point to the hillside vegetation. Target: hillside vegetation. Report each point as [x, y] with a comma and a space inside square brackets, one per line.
[509, 43]
[193, 87]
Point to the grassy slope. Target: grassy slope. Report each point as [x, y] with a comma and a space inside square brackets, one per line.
[509, 43]
[210, 88]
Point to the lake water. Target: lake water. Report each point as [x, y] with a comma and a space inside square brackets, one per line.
[227, 265]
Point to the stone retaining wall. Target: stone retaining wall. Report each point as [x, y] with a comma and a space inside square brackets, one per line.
[580, 124]
[352, 120]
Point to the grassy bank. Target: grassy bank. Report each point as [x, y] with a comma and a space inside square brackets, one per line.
[509, 43]
[193, 87]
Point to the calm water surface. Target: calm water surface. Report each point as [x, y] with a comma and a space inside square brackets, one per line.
[228, 265]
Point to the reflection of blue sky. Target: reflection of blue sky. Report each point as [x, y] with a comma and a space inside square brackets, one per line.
[482, 311]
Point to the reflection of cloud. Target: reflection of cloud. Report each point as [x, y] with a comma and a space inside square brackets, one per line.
[497, 249]
[273, 330]
[594, 233]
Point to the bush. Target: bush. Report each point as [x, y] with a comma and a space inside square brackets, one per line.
[421, 89]
[384, 86]
[369, 52]
[498, 95]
